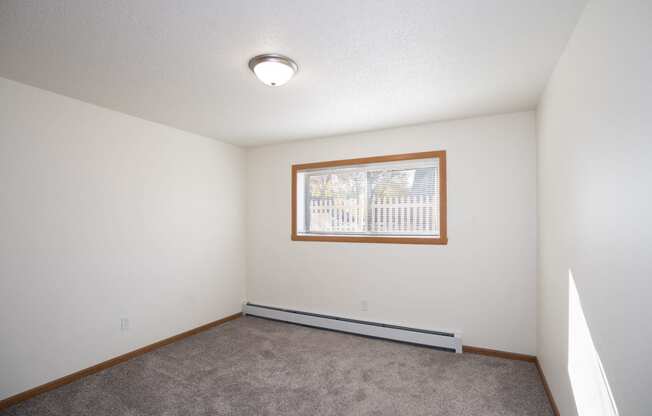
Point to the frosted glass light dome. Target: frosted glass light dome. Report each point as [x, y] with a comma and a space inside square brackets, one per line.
[273, 69]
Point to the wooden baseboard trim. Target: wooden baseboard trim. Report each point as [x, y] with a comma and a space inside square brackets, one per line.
[551, 399]
[10, 401]
[500, 354]
[520, 357]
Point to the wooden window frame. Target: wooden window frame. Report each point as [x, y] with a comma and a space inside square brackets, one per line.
[442, 239]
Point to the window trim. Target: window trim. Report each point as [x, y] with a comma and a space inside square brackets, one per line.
[442, 239]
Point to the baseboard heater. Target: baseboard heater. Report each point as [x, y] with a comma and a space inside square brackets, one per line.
[438, 339]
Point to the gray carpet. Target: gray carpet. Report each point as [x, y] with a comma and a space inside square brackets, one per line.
[253, 366]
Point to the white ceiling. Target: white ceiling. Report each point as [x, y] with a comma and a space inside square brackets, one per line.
[364, 64]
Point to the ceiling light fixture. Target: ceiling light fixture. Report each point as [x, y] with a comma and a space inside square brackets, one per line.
[273, 69]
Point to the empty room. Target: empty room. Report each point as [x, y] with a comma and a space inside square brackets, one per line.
[370, 207]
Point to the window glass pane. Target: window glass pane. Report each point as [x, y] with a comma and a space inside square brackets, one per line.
[336, 201]
[404, 200]
[392, 198]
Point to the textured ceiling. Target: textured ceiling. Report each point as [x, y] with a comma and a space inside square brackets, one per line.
[363, 64]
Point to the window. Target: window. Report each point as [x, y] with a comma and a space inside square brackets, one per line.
[386, 199]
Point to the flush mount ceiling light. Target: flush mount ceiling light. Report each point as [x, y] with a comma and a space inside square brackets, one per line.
[273, 69]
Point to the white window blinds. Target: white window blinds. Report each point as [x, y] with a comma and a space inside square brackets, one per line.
[390, 198]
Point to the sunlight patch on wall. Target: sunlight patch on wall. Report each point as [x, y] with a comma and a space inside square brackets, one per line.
[589, 382]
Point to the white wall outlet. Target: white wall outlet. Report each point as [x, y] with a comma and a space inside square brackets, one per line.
[364, 306]
[124, 324]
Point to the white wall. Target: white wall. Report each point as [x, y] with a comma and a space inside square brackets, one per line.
[595, 201]
[483, 282]
[104, 216]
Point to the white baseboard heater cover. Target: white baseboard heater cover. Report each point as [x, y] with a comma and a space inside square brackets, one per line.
[438, 339]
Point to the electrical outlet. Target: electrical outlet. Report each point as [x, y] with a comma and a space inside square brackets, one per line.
[124, 324]
[364, 306]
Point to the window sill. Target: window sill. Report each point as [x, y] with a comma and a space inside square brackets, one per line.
[442, 240]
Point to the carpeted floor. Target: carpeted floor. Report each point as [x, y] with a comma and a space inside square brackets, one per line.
[253, 366]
